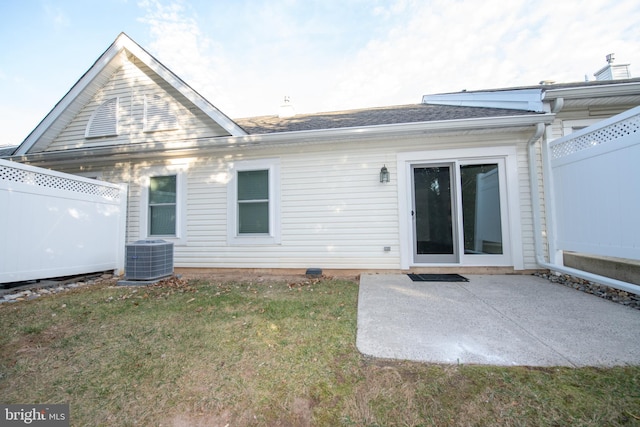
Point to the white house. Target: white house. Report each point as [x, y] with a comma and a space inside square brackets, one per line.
[444, 184]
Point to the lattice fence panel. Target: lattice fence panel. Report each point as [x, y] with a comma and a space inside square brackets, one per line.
[11, 174]
[601, 136]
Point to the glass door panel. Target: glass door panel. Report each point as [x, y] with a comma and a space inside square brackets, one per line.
[482, 222]
[433, 214]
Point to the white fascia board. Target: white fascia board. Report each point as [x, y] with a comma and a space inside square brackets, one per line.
[517, 99]
[191, 147]
[69, 98]
[193, 96]
[596, 91]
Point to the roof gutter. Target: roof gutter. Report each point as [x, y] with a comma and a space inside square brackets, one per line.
[537, 228]
[190, 147]
[597, 91]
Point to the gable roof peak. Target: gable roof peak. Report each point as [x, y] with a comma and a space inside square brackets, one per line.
[64, 111]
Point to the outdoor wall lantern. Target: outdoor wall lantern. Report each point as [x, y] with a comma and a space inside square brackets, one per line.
[384, 174]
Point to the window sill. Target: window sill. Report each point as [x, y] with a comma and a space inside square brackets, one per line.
[177, 241]
[253, 240]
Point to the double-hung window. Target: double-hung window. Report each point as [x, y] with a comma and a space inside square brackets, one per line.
[163, 196]
[162, 205]
[254, 203]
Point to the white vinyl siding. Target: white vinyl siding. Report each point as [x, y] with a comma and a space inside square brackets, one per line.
[526, 207]
[333, 211]
[158, 114]
[333, 214]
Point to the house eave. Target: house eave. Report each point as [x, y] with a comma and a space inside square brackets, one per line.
[198, 146]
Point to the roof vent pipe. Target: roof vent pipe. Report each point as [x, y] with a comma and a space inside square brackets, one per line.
[286, 109]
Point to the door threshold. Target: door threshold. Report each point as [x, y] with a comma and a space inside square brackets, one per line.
[465, 270]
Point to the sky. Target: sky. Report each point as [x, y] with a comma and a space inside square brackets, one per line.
[245, 56]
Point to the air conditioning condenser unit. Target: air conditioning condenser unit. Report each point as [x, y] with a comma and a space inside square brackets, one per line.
[148, 260]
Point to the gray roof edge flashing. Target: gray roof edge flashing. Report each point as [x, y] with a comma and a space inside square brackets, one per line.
[517, 99]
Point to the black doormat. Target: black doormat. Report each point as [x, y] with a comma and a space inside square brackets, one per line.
[437, 278]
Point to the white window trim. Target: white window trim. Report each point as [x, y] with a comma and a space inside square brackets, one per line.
[273, 237]
[571, 126]
[513, 253]
[180, 237]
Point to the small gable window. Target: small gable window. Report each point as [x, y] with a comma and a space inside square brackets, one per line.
[158, 115]
[104, 120]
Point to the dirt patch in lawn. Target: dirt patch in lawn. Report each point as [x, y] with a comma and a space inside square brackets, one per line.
[263, 276]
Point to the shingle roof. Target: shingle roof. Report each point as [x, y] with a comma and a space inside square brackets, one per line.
[7, 151]
[412, 113]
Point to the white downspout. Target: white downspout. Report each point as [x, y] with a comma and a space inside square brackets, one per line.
[537, 228]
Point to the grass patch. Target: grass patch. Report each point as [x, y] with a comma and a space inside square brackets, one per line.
[209, 353]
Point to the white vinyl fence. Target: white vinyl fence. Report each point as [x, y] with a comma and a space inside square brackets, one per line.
[596, 176]
[54, 224]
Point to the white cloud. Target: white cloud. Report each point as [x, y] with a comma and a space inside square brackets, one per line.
[181, 45]
[450, 46]
[389, 9]
[16, 122]
[244, 56]
[244, 59]
[57, 16]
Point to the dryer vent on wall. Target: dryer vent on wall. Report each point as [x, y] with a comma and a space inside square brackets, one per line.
[148, 260]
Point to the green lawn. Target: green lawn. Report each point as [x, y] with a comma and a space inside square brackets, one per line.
[205, 353]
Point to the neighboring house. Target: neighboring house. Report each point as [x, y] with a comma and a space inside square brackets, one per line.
[443, 183]
[7, 151]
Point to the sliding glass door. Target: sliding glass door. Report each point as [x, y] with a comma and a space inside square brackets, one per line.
[456, 211]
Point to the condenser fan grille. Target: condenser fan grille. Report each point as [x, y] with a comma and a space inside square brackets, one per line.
[148, 260]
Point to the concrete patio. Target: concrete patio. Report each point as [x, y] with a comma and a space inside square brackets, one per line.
[494, 320]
